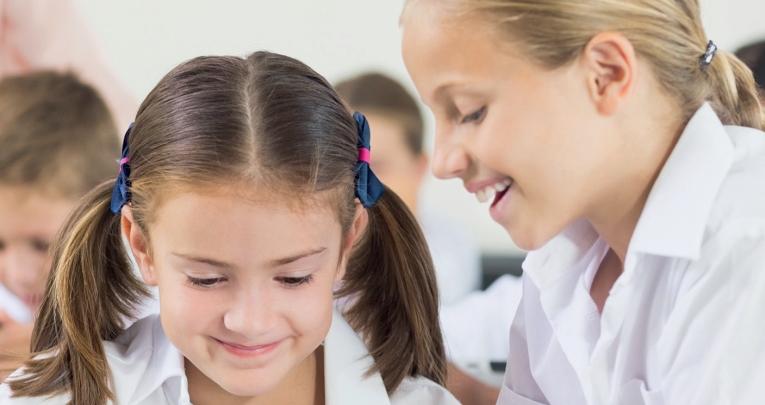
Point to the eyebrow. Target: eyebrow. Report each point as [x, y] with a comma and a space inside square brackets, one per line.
[205, 260]
[272, 263]
[294, 258]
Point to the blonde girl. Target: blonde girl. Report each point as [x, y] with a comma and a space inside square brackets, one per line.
[617, 143]
[246, 197]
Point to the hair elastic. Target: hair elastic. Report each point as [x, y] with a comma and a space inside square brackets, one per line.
[364, 155]
[121, 194]
[369, 189]
[708, 56]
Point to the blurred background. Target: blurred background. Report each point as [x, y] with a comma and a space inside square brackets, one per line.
[143, 39]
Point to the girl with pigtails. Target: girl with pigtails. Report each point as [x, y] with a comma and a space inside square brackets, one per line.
[245, 195]
[617, 143]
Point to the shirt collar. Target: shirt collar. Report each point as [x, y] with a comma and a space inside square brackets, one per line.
[346, 363]
[678, 207]
[142, 359]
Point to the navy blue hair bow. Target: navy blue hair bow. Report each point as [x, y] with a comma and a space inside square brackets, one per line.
[368, 188]
[121, 195]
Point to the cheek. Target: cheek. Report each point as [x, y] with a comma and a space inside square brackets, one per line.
[309, 312]
[184, 311]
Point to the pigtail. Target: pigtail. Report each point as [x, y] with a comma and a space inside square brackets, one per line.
[90, 292]
[392, 282]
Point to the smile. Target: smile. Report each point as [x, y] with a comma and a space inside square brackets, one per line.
[248, 351]
[493, 192]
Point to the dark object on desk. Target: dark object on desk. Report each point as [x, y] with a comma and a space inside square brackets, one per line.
[498, 366]
[495, 266]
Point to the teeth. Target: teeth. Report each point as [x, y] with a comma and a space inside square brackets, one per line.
[487, 193]
[490, 193]
[481, 196]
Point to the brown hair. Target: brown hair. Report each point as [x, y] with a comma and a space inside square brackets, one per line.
[667, 33]
[375, 93]
[56, 134]
[267, 121]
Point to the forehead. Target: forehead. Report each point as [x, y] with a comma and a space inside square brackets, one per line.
[442, 53]
[238, 229]
[24, 211]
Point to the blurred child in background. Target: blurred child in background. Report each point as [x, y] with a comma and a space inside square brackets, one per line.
[57, 140]
[401, 164]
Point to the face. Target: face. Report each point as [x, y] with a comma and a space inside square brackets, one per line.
[28, 222]
[393, 162]
[523, 138]
[245, 288]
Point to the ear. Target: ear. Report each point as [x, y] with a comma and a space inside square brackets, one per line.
[611, 63]
[139, 245]
[360, 222]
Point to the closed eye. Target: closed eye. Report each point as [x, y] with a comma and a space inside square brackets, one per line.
[295, 281]
[474, 117]
[204, 282]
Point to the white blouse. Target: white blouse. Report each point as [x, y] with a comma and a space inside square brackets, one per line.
[148, 370]
[685, 322]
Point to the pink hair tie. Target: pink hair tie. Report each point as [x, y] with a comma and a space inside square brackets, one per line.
[364, 155]
[123, 161]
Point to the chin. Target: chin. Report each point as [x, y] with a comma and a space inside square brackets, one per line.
[528, 238]
[243, 386]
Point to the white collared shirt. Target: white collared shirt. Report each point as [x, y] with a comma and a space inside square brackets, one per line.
[685, 322]
[148, 370]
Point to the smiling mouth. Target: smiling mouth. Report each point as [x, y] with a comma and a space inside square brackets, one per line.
[499, 195]
[248, 351]
[494, 192]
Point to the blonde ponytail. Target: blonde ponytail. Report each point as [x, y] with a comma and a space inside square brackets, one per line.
[734, 93]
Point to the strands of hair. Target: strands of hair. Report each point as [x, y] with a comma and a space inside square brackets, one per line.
[56, 134]
[375, 93]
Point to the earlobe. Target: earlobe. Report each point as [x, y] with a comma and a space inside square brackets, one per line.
[138, 245]
[611, 62]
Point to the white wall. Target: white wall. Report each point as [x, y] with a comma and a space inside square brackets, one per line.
[146, 38]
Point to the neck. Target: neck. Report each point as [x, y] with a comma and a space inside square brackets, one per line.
[648, 146]
[304, 385]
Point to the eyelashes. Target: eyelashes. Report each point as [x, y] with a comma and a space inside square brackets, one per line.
[296, 281]
[203, 282]
[287, 281]
[476, 116]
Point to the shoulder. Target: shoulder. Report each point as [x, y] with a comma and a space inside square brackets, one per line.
[421, 391]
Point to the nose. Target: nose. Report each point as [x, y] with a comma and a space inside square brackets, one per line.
[250, 314]
[450, 159]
